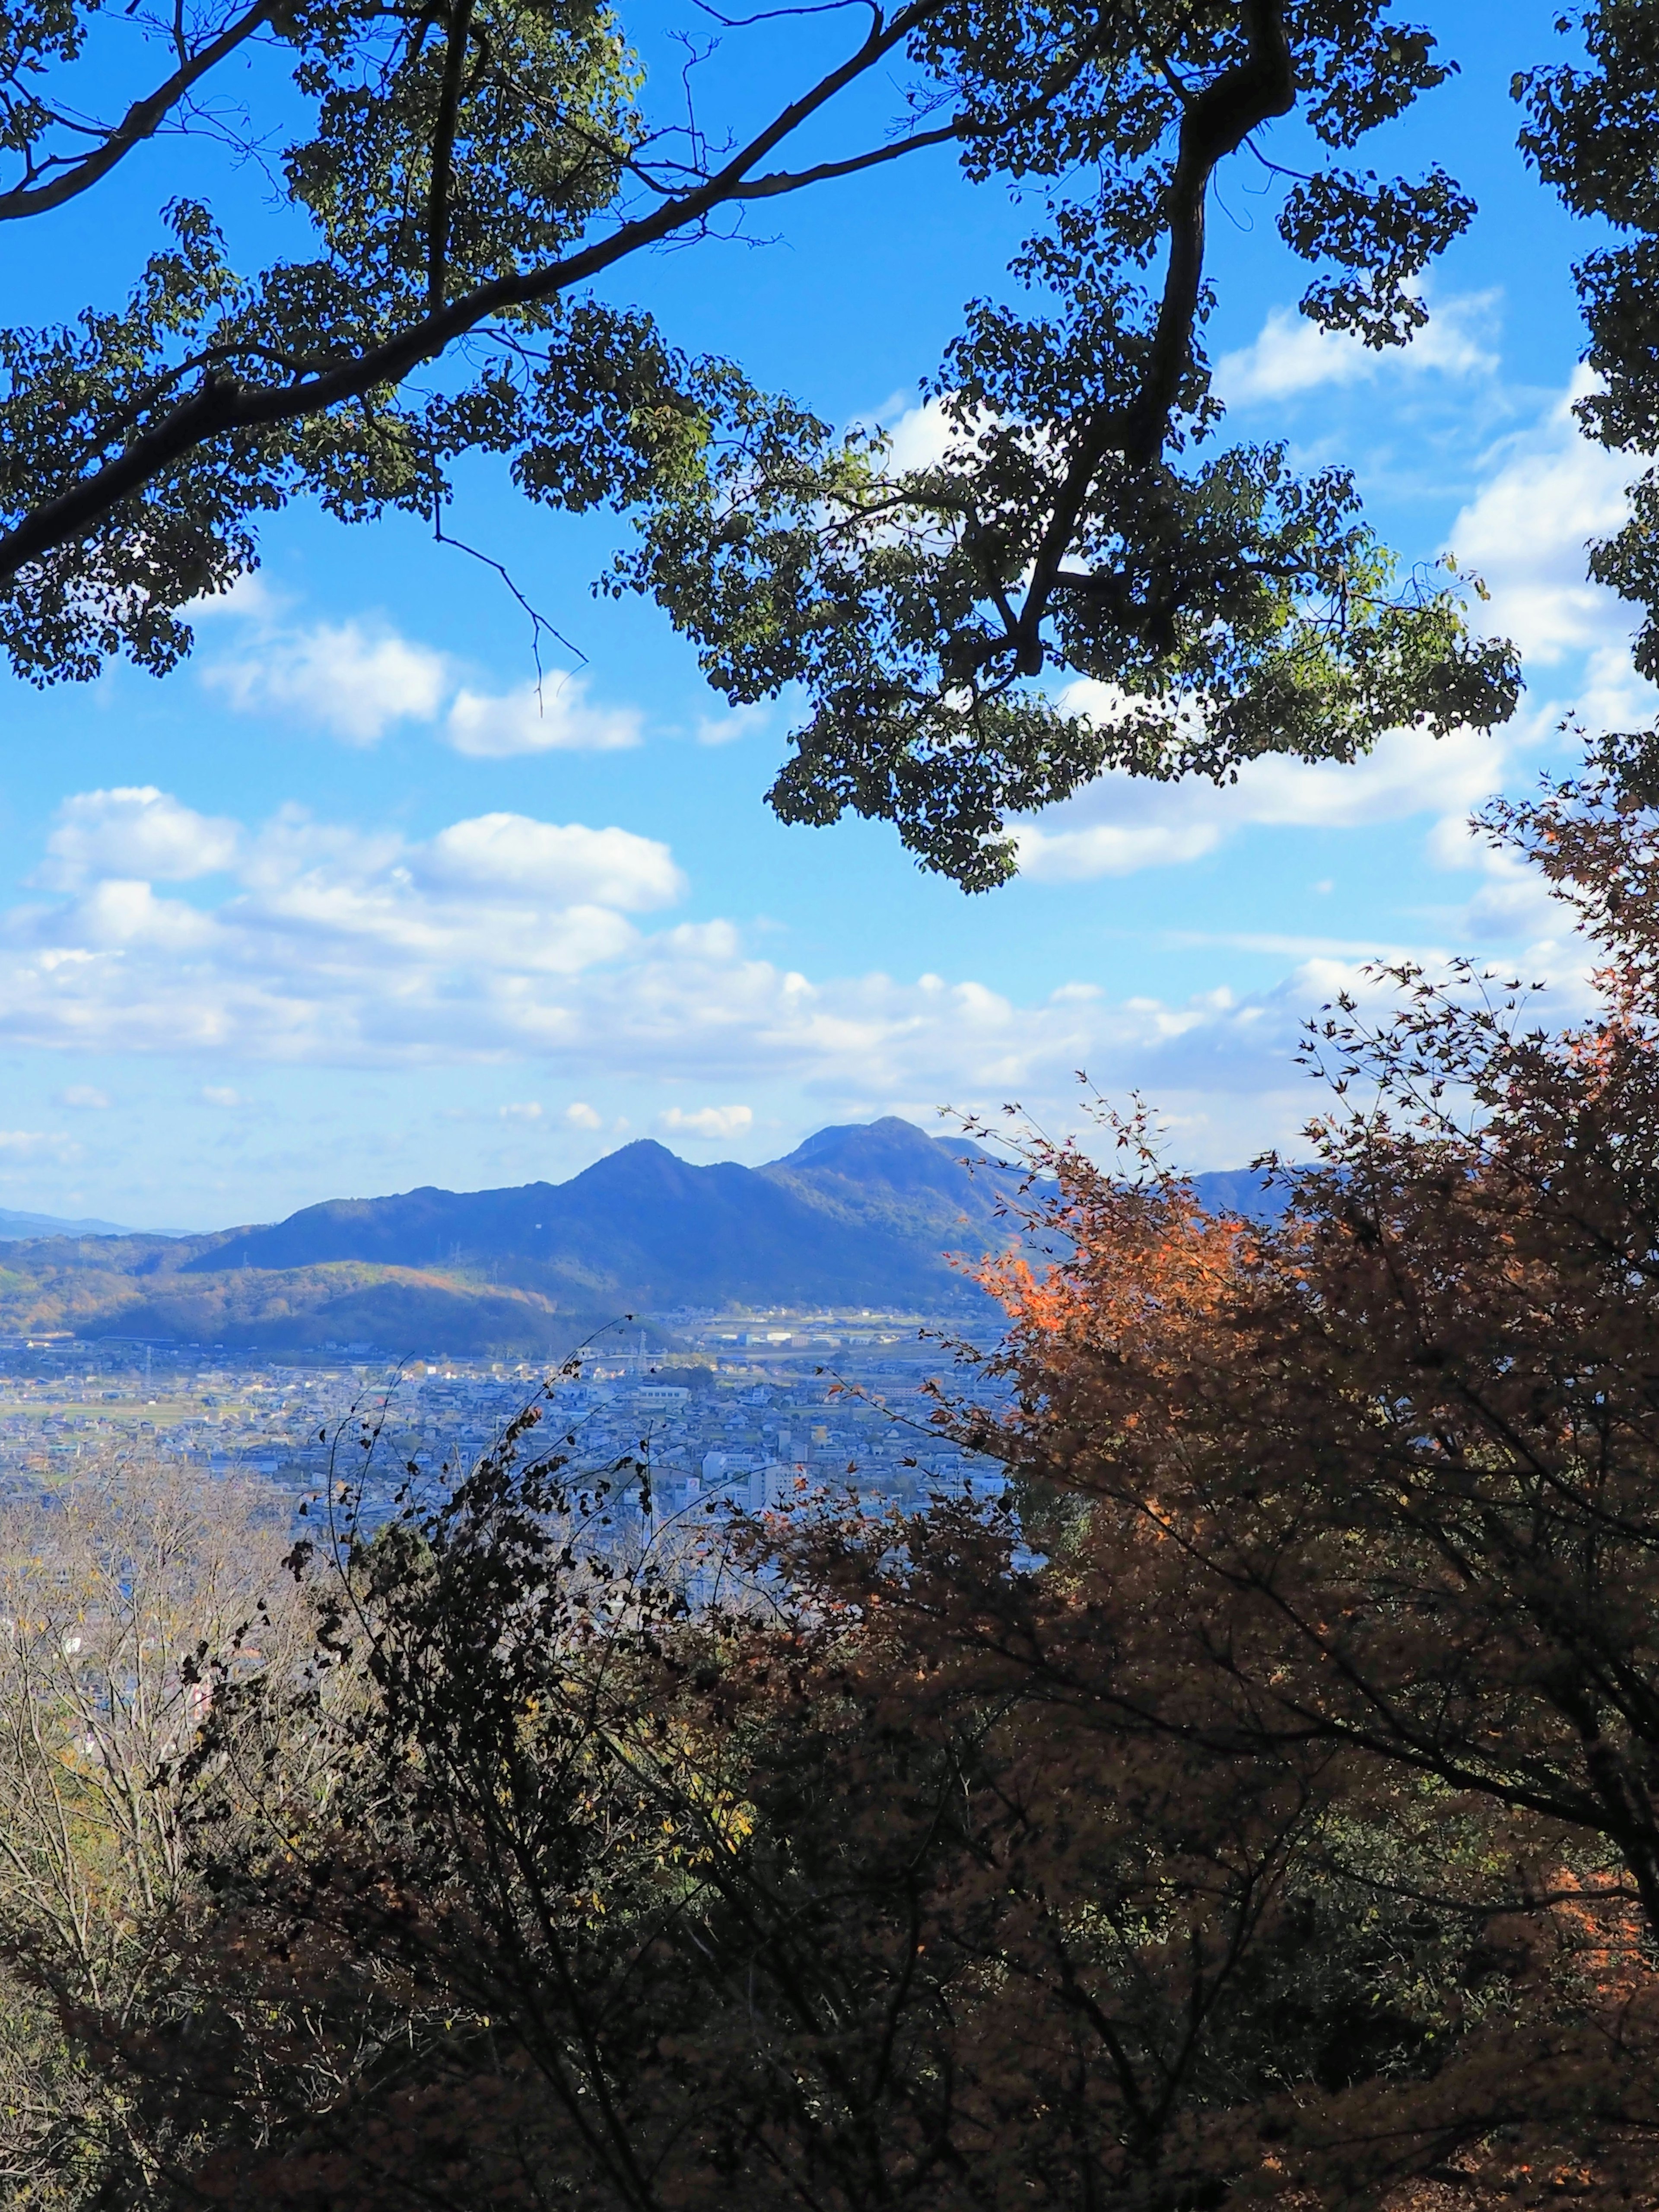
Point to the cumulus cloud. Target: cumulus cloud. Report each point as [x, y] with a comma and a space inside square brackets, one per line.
[725, 729]
[123, 912]
[26, 1144]
[1112, 848]
[356, 680]
[921, 437]
[553, 717]
[1291, 355]
[134, 831]
[248, 597]
[580, 1115]
[331, 943]
[1512, 910]
[561, 861]
[525, 1110]
[344, 678]
[705, 1120]
[919, 432]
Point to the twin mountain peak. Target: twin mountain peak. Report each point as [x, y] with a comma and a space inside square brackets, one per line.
[860, 1215]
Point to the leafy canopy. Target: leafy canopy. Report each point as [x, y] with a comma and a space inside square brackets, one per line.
[467, 178]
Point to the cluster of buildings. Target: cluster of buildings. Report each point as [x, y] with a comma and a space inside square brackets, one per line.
[758, 1414]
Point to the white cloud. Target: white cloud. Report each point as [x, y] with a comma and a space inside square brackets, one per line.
[707, 1121]
[523, 1111]
[555, 717]
[1112, 849]
[1513, 908]
[562, 862]
[26, 1144]
[1292, 354]
[249, 598]
[921, 436]
[1526, 533]
[121, 912]
[741, 722]
[335, 944]
[324, 905]
[134, 830]
[343, 677]
[84, 1098]
[488, 946]
[1120, 823]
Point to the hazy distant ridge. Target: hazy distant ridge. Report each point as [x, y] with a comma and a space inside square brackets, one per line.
[16, 1227]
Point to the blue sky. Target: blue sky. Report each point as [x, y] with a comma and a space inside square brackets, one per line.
[333, 911]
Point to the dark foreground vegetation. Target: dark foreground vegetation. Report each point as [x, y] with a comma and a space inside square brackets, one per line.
[1263, 1808]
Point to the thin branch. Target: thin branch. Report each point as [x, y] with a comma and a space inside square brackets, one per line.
[783, 14]
[538, 621]
[141, 121]
[793, 180]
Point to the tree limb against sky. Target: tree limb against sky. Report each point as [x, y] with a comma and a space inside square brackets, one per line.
[474, 187]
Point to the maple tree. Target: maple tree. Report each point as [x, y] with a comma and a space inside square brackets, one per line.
[1404, 1438]
[1377, 1480]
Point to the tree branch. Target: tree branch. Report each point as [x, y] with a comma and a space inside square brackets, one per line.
[1214, 124]
[140, 122]
[222, 406]
[793, 180]
[443, 153]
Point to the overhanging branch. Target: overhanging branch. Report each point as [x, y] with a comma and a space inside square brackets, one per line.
[223, 405]
[142, 120]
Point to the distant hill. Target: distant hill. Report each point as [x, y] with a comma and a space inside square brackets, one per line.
[858, 1215]
[16, 1227]
[1239, 1190]
[888, 1178]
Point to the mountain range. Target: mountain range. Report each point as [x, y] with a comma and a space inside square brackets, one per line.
[860, 1215]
